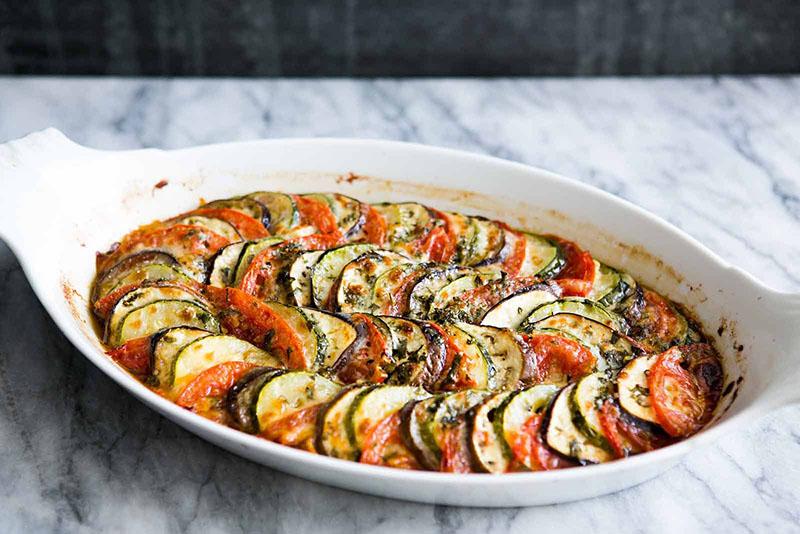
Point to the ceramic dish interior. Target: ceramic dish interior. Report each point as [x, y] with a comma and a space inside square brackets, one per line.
[91, 197]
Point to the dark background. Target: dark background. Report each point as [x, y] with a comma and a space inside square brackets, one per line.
[399, 38]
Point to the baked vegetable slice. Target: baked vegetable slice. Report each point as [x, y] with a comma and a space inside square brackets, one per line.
[426, 288]
[449, 412]
[242, 397]
[512, 419]
[283, 214]
[248, 253]
[356, 284]
[588, 395]
[577, 306]
[487, 244]
[471, 365]
[248, 206]
[505, 351]
[339, 334]
[218, 226]
[206, 352]
[300, 277]
[488, 446]
[285, 394]
[610, 285]
[223, 265]
[564, 437]
[333, 435]
[313, 347]
[166, 345]
[543, 257]
[448, 296]
[149, 265]
[633, 390]
[406, 222]
[512, 311]
[325, 272]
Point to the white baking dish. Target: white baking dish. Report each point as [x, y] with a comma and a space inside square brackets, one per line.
[62, 202]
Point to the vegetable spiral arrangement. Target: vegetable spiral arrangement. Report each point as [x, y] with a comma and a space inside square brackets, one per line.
[400, 335]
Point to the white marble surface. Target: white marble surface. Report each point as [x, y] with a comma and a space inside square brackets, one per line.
[718, 157]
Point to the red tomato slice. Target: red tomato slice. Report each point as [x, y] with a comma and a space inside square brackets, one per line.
[530, 449]
[557, 359]
[440, 243]
[260, 279]
[295, 429]
[213, 382]
[685, 384]
[516, 256]
[579, 267]
[370, 359]
[375, 227]
[625, 435]
[317, 213]
[248, 227]
[183, 240]
[134, 355]
[248, 318]
[658, 322]
[399, 302]
[455, 451]
[385, 446]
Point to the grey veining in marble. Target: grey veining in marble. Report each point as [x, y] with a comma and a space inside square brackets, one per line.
[718, 157]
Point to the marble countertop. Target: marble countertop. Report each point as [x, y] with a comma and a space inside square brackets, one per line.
[719, 158]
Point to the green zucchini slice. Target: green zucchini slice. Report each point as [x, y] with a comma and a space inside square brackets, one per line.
[374, 406]
[288, 393]
[543, 258]
[248, 253]
[357, 280]
[241, 399]
[314, 341]
[206, 352]
[155, 316]
[149, 265]
[332, 437]
[487, 244]
[166, 345]
[325, 272]
[426, 288]
[503, 347]
[405, 222]
[300, 277]
[448, 296]
[339, 334]
[587, 395]
[450, 410]
[416, 432]
[218, 226]
[564, 437]
[390, 290]
[632, 388]
[576, 306]
[248, 206]
[487, 444]
[515, 412]
[283, 214]
[610, 285]
[471, 361]
[512, 311]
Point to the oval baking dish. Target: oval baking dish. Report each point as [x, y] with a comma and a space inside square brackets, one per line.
[93, 196]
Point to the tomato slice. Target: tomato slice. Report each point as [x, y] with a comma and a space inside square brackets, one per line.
[455, 451]
[248, 318]
[626, 435]
[440, 243]
[658, 324]
[370, 357]
[530, 450]
[248, 227]
[557, 359]
[516, 256]
[213, 382]
[135, 355]
[261, 277]
[685, 384]
[185, 241]
[385, 446]
[317, 213]
[295, 429]
[579, 267]
[398, 306]
[375, 227]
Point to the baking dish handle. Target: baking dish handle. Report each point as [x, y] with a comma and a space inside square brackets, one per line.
[23, 166]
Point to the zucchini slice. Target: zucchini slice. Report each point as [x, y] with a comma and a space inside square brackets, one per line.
[487, 244]
[515, 412]
[350, 214]
[576, 306]
[135, 269]
[611, 349]
[488, 446]
[338, 333]
[426, 288]
[505, 352]
[564, 437]
[405, 222]
[449, 295]
[416, 435]
[610, 285]
[166, 345]
[283, 214]
[356, 284]
[241, 398]
[314, 341]
[209, 351]
[410, 350]
[300, 277]
[332, 437]
[218, 226]
[463, 227]
[248, 206]
[325, 272]
[632, 388]
[587, 395]
[155, 316]
[373, 407]
[248, 253]
[471, 365]
[512, 311]
[449, 411]
[223, 265]
[286, 393]
[390, 290]
[543, 258]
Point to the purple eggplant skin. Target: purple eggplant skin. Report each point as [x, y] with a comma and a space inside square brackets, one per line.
[249, 206]
[356, 228]
[108, 278]
[241, 398]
